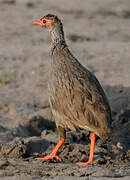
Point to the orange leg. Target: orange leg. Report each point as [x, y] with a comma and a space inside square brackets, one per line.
[53, 155]
[90, 161]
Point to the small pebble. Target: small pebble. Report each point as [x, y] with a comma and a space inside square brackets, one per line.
[119, 145]
[30, 4]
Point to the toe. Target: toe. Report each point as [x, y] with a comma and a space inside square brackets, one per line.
[49, 157]
[42, 158]
[84, 163]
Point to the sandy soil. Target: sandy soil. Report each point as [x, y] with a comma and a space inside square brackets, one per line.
[98, 34]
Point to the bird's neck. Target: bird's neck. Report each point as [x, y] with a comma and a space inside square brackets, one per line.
[57, 36]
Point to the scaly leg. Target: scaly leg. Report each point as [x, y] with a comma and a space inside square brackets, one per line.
[53, 155]
[90, 161]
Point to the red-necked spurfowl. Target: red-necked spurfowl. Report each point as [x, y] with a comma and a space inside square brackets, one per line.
[77, 99]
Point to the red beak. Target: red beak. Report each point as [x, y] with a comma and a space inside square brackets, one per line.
[37, 23]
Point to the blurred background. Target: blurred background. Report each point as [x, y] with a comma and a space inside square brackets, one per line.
[98, 34]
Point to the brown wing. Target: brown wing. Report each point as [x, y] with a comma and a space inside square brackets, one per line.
[82, 104]
[79, 100]
[92, 101]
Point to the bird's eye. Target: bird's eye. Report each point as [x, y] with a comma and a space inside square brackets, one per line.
[44, 21]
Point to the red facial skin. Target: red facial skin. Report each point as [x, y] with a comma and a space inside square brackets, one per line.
[43, 22]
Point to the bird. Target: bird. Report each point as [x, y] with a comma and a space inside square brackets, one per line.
[77, 99]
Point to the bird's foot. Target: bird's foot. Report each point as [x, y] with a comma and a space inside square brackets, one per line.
[89, 162]
[51, 156]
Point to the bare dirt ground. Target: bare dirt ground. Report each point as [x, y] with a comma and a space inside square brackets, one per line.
[98, 34]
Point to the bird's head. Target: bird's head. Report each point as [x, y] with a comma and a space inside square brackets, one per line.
[55, 27]
[48, 20]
